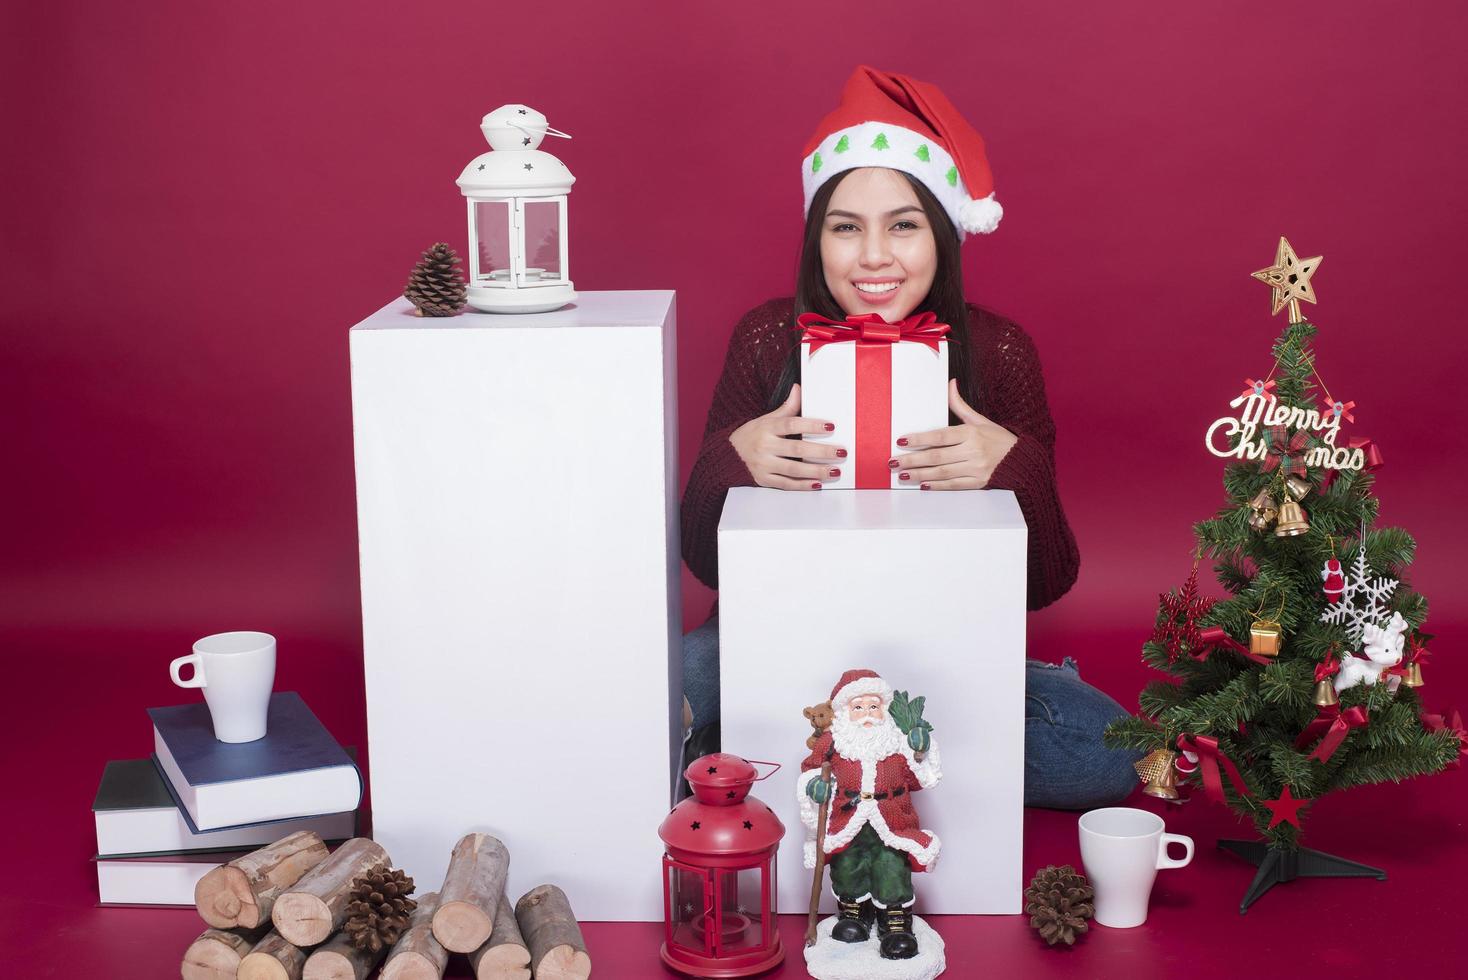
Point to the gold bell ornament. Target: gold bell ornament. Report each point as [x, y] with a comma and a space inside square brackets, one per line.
[1292, 520]
[1413, 677]
[1297, 487]
[1325, 694]
[1156, 770]
[1262, 510]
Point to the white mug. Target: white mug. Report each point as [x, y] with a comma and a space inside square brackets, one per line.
[237, 672]
[1122, 850]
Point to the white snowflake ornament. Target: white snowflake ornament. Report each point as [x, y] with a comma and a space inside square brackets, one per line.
[1363, 600]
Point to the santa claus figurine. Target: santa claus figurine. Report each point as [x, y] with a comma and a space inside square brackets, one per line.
[1333, 580]
[878, 752]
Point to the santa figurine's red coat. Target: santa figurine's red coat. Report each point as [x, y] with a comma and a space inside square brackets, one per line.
[871, 787]
[1333, 580]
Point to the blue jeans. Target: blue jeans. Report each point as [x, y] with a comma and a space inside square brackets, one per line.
[1066, 766]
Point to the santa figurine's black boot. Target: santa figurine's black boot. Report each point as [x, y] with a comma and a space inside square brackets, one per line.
[895, 928]
[853, 922]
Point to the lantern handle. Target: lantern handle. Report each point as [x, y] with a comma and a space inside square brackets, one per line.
[549, 130]
[757, 762]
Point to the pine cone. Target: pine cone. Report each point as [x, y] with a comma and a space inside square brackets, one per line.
[435, 286]
[379, 908]
[1058, 903]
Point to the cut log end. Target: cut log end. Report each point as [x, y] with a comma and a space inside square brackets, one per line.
[564, 963]
[411, 966]
[302, 918]
[258, 966]
[503, 963]
[224, 899]
[462, 927]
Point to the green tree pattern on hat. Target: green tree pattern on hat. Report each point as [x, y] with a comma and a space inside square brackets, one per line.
[843, 144]
[922, 153]
[880, 143]
[952, 176]
[815, 163]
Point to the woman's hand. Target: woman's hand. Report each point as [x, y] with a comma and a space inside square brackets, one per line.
[760, 444]
[955, 457]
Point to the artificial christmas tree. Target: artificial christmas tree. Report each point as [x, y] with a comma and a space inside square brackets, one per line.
[1268, 688]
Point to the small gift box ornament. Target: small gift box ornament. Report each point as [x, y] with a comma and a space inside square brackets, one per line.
[1264, 637]
[876, 381]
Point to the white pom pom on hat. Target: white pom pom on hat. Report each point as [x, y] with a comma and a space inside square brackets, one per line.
[890, 120]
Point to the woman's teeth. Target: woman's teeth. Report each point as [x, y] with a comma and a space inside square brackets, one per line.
[885, 287]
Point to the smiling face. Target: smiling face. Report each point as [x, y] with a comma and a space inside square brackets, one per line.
[877, 246]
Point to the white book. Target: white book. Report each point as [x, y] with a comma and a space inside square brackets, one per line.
[296, 770]
[135, 815]
[163, 880]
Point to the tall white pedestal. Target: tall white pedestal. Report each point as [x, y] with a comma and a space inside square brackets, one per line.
[517, 509]
[928, 589]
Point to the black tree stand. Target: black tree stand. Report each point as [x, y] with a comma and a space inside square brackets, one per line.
[1276, 865]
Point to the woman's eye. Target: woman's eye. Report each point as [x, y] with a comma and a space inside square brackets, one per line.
[908, 223]
[842, 227]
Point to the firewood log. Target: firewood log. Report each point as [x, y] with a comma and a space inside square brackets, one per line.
[557, 951]
[241, 893]
[339, 959]
[316, 906]
[470, 893]
[504, 955]
[417, 955]
[216, 954]
[273, 958]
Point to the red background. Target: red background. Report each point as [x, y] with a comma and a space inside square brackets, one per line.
[203, 197]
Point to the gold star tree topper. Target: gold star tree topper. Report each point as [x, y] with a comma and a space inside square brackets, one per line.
[1290, 279]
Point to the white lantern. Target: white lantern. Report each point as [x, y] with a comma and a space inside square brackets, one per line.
[518, 261]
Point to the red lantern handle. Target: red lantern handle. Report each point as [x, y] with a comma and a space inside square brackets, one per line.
[757, 762]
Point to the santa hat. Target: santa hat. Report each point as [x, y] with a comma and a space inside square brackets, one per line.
[895, 121]
[855, 684]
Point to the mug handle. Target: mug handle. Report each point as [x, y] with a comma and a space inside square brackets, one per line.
[1163, 861]
[198, 679]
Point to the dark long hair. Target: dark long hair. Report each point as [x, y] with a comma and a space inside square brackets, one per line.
[944, 300]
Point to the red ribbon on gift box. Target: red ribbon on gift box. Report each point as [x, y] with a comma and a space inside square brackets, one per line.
[1210, 757]
[1335, 725]
[1216, 636]
[874, 338]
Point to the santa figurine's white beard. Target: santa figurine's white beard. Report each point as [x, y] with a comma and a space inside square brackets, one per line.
[855, 742]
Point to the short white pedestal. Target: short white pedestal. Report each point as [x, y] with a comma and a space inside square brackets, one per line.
[517, 508]
[928, 589]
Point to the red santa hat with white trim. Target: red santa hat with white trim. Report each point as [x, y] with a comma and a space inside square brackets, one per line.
[856, 683]
[891, 120]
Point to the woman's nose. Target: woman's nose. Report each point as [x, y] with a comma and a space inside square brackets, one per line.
[875, 254]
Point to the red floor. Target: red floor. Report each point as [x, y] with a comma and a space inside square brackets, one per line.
[1345, 928]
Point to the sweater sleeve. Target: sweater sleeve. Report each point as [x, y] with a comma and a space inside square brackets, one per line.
[741, 393]
[1015, 399]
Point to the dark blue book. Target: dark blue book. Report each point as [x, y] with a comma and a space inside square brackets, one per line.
[296, 770]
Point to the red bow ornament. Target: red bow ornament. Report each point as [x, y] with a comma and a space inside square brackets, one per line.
[1260, 388]
[1286, 452]
[1332, 723]
[1343, 410]
[885, 380]
[1210, 758]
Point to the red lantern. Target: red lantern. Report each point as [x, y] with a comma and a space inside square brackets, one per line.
[719, 873]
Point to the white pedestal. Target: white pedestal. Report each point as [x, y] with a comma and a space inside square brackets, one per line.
[928, 589]
[517, 509]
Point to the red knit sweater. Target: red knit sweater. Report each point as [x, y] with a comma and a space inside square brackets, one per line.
[1006, 369]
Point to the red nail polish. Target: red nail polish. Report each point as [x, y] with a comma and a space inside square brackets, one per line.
[835, 472]
[902, 441]
[924, 487]
[892, 464]
[904, 476]
[840, 454]
[815, 486]
[830, 426]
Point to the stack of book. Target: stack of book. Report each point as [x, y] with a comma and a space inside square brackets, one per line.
[165, 821]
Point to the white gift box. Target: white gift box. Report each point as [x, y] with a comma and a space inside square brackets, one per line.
[517, 506]
[874, 393]
[927, 589]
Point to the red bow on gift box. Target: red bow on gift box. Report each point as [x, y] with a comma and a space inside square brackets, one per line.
[1286, 452]
[871, 328]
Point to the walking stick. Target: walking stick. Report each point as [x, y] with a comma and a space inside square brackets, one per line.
[815, 884]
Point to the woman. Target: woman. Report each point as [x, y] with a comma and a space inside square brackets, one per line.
[893, 178]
